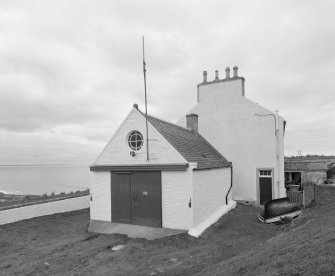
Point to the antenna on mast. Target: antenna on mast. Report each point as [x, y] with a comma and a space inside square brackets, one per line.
[145, 93]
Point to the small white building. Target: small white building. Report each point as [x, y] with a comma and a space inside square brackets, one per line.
[247, 134]
[185, 184]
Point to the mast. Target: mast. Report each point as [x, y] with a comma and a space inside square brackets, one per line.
[146, 105]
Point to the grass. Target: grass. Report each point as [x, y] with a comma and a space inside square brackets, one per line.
[238, 244]
[60, 245]
[305, 247]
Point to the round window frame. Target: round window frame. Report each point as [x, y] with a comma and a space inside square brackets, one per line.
[129, 142]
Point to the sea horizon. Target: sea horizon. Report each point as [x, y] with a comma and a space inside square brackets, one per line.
[43, 164]
[38, 179]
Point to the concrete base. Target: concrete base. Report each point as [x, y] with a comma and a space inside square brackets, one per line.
[246, 201]
[199, 229]
[132, 231]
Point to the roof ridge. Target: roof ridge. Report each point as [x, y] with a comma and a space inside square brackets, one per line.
[154, 117]
[167, 122]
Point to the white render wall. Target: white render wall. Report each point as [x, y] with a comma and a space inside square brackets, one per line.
[210, 188]
[176, 194]
[228, 121]
[44, 209]
[117, 151]
[207, 190]
[101, 205]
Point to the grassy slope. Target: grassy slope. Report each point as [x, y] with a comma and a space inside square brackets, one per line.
[237, 245]
[305, 247]
[60, 245]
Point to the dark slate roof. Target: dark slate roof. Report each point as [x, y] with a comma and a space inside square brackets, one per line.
[191, 145]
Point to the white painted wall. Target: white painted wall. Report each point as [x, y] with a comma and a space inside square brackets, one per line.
[117, 151]
[44, 209]
[176, 194]
[227, 121]
[101, 205]
[210, 188]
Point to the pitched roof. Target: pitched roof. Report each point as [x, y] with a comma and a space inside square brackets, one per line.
[191, 145]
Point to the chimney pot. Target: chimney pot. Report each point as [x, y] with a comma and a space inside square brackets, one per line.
[216, 75]
[135, 105]
[192, 122]
[227, 73]
[235, 71]
[205, 77]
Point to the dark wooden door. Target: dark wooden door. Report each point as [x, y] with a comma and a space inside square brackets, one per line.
[136, 198]
[146, 195]
[121, 197]
[265, 189]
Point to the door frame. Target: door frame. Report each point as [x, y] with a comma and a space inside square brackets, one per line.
[130, 173]
[258, 195]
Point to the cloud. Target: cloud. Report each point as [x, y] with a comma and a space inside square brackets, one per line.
[72, 72]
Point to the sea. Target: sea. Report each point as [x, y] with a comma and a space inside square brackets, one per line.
[43, 179]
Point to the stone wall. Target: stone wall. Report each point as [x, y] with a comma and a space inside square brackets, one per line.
[324, 193]
[319, 194]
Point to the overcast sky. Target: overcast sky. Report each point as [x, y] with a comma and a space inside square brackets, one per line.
[70, 71]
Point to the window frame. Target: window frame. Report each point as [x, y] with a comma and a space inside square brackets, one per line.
[135, 144]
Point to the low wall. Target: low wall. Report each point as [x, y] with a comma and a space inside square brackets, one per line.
[324, 193]
[319, 194]
[44, 209]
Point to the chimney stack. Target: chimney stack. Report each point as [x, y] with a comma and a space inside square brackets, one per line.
[205, 77]
[235, 71]
[216, 75]
[227, 73]
[192, 122]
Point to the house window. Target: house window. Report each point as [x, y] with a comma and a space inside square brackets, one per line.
[265, 173]
[135, 140]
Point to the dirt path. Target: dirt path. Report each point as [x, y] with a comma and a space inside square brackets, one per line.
[60, 245]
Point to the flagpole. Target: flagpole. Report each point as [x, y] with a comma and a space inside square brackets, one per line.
[145, 93]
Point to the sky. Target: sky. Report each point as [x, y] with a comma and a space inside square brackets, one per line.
[70, 71]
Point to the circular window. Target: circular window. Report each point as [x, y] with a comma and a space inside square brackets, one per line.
[135, 140]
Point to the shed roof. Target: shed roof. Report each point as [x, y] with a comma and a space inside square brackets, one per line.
[306, 165]
[191, 145]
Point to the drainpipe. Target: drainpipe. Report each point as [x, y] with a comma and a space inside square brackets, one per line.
[231, 182]
[277, 155]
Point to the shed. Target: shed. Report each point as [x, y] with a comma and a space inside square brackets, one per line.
[185, 184]
[300, 171]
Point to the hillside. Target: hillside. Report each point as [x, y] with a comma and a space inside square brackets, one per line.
[60, 245]
[305, 247]
[238, 244]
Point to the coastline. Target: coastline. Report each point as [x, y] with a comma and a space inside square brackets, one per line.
[10, 201]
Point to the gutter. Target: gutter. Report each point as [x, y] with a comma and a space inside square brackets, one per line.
[139, 167]
[231, 182]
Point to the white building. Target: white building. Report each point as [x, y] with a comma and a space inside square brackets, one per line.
[182, 179]
[185, 184]
[247, 134]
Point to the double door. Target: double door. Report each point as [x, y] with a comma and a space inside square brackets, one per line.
[136, 198]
